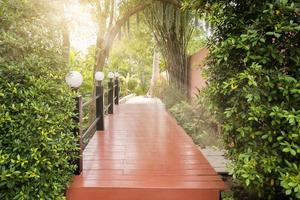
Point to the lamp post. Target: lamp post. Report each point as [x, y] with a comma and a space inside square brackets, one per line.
[111, 76]
[99, 76]
[74, 79]
[117, 88]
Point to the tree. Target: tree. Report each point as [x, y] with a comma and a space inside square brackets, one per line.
[172, 29]
[131, 56]
[110, 19]
[155, 72]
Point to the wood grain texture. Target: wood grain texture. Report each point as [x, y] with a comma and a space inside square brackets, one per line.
[144, 155]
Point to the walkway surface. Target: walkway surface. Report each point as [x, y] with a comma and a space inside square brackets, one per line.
[216, 157]
[144, 155]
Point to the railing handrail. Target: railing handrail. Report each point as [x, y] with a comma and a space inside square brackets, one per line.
[106, 108]
[90, 128]
[94, 98]
[101, 110]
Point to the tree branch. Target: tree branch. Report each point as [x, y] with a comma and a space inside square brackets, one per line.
[140, 7]
[119, 23]
[174, 2]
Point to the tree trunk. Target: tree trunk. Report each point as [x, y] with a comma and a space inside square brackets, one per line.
[155, 72]
[177, 66]
[171, 28]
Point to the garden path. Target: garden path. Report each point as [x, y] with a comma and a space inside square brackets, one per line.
[143, 154]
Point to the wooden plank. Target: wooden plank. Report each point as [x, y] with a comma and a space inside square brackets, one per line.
[216, 158]
[144, 154]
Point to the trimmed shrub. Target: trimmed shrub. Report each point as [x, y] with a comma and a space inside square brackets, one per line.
[36, 142]
[254, 90]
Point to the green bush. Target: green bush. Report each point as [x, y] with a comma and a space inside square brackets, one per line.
[130, 84]
[168, 94]
[191, 115]
[254, 89]
[197, 122]
[36, 142]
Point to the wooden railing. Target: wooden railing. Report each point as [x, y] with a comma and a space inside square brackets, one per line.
[102, 108]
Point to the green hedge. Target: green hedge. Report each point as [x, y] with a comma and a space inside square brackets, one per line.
[36, 142]
[254, 89]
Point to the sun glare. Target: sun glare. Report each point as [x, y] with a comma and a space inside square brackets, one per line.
[82, 28]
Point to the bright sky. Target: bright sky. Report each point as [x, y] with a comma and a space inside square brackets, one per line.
[83, 29]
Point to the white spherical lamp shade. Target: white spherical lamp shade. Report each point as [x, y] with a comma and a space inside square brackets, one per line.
[74, 79]
[117, 74]
[111, 75]
[99, 76]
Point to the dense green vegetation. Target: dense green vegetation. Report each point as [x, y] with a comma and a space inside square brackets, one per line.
[198, 123]
[36, 106]
[254, 89]
[85, 65]
[172, 29]
[132, 56]
[192, 115]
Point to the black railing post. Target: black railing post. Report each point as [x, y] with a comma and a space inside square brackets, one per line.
[111, 96]
[117, 91]
[77, 134]
[100, 106]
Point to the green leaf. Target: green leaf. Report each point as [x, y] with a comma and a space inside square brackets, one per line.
[247, 182]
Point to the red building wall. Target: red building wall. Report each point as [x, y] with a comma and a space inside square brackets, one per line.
[196, 65]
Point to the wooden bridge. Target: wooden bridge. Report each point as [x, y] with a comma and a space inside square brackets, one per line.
[144, 155]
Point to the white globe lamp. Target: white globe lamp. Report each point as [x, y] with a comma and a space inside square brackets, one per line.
[111, 75]
[99, 76]
[117, 74]
[74, 79]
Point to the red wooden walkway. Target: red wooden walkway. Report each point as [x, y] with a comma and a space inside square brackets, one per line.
[144, 155]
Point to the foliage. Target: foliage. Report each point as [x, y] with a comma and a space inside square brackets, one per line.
[36, 142]
[172, 29]
[197, 41]
[85, 65]
[254, 90]
[192, 116]
[130, 85]
[167, 93]
[111, 16]
[131, 55]
[197, 122]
